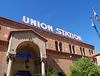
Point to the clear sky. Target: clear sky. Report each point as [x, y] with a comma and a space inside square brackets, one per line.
[70, 15]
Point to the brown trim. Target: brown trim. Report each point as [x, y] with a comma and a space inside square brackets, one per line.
[68, 53]
[4, 41]
[45, 31]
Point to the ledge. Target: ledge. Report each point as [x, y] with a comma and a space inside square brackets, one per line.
[4, 41]
[69, 53]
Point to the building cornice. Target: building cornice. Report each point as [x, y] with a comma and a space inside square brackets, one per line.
[69, 53]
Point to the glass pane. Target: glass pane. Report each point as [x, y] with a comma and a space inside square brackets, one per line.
[24, 54]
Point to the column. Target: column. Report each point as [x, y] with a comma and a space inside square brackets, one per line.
[9, 66]
[43, 66]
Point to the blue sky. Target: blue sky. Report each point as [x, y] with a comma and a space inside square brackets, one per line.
[70, 15]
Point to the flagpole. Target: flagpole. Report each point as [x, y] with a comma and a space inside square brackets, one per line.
[93, 25]
[97, 32]
[93, 9]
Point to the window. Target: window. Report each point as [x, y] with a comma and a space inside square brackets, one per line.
[60, 46]
[24, 54]
[83, 51]
[70, 48]
[56, 45]
[73, 49]
[90, 52]
[0, 27]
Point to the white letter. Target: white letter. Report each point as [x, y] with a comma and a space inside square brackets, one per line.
[50, 28]
[72, 36]
[38, 24]
[66, 33]
[75, 37]
[25, 21]
[58, 31]
[43, 26]
[69, 34]
[63, 32]
[33, 22]
[79, 38]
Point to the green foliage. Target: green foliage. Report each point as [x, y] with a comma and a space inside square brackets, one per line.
[75, 74]
[4, 74]
[85, 67]
[52, 72]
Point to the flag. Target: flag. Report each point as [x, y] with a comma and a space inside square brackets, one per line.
[93, 25]
[95, 15]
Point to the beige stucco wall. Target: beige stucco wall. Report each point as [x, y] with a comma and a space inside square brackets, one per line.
[19, 37]
[98, 59]
[18, 42]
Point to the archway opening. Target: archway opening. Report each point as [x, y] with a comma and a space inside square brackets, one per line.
[27, 51]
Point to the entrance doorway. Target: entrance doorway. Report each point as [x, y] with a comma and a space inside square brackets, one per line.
[23, 73]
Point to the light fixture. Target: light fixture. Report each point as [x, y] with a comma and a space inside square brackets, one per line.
[70, 56]
[27, 62]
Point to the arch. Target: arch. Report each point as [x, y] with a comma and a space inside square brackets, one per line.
[29, 46]
[19, 41]
[56, 45]
[31, 51]
[81, 50]
[60, 46]
[70, 49]
[73, 49]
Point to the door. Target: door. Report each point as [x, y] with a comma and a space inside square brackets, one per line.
[23, 73]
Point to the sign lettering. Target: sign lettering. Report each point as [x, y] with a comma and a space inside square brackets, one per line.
[43, 26]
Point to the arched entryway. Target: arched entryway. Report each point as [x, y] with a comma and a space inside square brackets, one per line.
[27, 52]
[31, 44]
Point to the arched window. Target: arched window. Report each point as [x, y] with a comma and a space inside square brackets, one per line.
[70, 49]
[24, 54]
[73, 49]
[60, 46]
[83, 51]
[56, 45]
[90, 52]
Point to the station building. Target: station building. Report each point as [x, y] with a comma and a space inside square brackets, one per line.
[29, 50]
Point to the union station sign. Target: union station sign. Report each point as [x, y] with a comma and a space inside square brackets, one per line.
[43, 26]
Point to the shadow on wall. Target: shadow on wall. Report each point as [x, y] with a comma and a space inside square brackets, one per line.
[53, 63]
